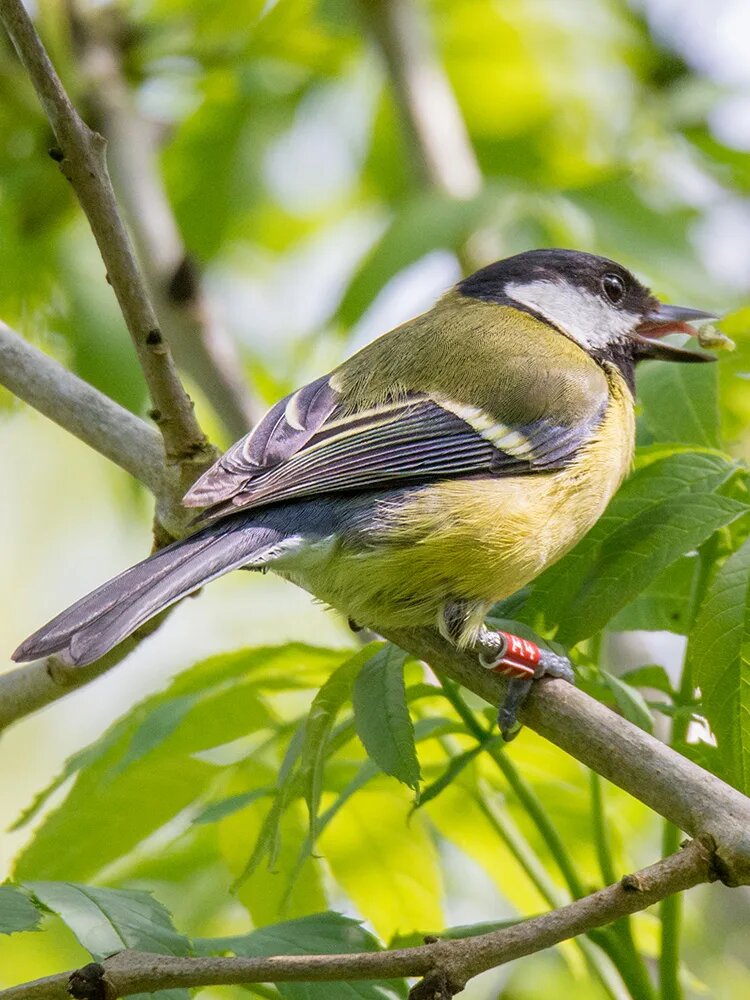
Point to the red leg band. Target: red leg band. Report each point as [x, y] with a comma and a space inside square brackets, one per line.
[517, 657]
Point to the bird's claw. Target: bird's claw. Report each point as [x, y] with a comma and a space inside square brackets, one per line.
[522, 662]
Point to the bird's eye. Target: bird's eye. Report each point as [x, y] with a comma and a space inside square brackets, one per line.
[613, 287]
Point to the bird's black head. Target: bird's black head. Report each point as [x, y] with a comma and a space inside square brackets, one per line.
[592, 300]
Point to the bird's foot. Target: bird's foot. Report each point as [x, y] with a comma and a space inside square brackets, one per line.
[522, 662]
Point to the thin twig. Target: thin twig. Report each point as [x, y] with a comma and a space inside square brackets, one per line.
[437, 139]
[76, 406]
[40, 683]
[445, 965]
[200, 346]
[81, 155]
[430, 114]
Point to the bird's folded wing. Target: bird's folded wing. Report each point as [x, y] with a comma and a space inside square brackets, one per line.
[310, 443]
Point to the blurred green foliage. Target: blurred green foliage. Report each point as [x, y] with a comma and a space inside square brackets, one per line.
[294, 186]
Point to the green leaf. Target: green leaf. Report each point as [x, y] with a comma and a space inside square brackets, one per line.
[156, 728]
[382, 716]
[319, 934]
[630, 701]
[425, 729]
[652, 676]
[263, 887]
[455, 767]
[231, 804]
[268, 841]
[88, 830]
[719, 651]
[303, 765]
[680, 403]
[108, 920]
[664, 511]
[146, 766]
[664, 605]
[293, 664]
[323, 712]
[383, 857]
[17, 911]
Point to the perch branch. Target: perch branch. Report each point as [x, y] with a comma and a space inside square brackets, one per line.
[445, 965]
[694, 800]
[200, 346]
[684, 793]
[81, 154]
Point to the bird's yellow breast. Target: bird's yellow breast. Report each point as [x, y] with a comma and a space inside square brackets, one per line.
[481, 539]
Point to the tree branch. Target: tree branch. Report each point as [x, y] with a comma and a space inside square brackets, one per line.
[203, 349]
[430, 113]
[445, 965]
[436, 134]
[76, 406]
[82, 160]
[28, 688]
[684, 793]
[127, 441]
[693, 799]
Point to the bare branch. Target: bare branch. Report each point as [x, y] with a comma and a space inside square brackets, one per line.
[693, 799]
[431, 116]
[76, 406]
[445, 965]
[82, 160]
[203, 350]
[32, 686]
[436, 134]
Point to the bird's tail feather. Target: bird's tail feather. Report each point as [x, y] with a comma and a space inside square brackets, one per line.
[96, 623]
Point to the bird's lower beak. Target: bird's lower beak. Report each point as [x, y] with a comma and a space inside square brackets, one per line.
[661, 321]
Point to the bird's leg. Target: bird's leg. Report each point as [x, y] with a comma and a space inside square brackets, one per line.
[522, 662]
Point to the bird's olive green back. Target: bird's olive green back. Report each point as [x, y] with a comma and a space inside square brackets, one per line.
[513, 366]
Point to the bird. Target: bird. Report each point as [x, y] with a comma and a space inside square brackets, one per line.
[435, 472]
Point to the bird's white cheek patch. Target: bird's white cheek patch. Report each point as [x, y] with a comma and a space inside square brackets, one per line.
[583, 316]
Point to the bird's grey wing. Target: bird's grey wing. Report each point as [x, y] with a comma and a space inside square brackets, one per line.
[311, 443]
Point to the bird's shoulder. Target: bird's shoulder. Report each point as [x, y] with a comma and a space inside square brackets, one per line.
[505, 362]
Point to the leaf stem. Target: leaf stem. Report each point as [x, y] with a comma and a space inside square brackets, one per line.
[670, 910]
[524, 792]
[539, 816]
[637, 977]
[524, 854]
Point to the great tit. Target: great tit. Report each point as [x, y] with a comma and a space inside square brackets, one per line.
[435, 472]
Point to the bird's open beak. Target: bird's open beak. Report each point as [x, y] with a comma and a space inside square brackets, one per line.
[661, 321]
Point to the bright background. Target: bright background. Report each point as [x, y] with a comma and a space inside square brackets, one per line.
[620, 129]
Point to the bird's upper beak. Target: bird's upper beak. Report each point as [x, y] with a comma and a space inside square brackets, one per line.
[661, 321]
